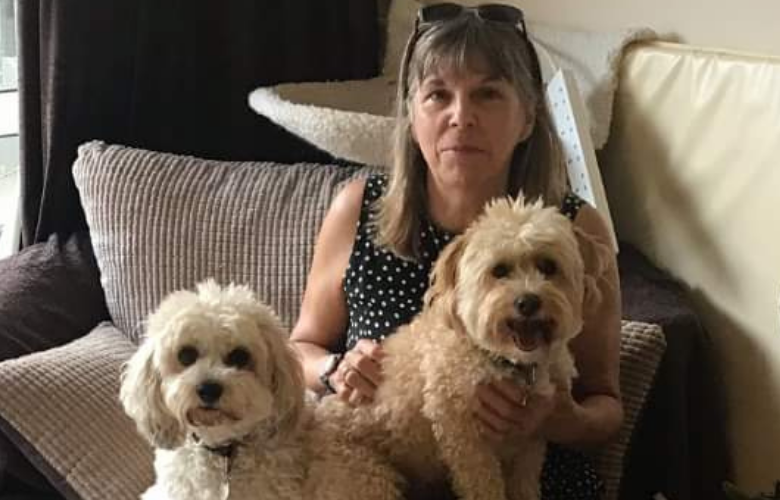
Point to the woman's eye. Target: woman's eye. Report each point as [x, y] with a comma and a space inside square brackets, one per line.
[436, 96]
[187, 355]
[238, 358]
[500, 271]
[489, 93]
[547, 267]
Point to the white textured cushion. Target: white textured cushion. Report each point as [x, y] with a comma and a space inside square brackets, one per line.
[61, 407]
[161, 222]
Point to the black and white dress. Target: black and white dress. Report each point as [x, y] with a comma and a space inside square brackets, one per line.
[384, 291]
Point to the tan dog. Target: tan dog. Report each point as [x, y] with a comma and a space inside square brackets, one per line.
[506, 298]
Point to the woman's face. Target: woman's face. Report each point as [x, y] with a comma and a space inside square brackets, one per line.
[467, 125]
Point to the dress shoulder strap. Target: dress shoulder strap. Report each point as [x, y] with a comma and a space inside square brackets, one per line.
[571, 205]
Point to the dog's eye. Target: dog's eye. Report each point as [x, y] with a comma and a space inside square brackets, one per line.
[500, 271]
[548, 267]
[238, 358]
[187, 355]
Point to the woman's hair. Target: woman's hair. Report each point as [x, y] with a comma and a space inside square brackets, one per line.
[537, 168]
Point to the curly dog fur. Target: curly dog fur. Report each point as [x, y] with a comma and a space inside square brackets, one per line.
[476, 325]
[217, 390]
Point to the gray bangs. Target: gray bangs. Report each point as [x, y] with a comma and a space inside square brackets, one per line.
[465, 45]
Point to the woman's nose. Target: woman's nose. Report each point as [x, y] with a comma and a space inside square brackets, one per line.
[462, 113]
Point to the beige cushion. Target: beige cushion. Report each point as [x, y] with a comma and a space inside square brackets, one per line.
[161, 222]
[62, 404]
[693, 176]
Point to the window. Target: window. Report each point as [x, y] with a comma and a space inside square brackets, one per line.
[9, 130]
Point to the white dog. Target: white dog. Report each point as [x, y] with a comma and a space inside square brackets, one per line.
[505, 301]
[219, 393]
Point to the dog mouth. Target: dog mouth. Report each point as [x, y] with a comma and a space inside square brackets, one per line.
[530, 334]
[204, 416]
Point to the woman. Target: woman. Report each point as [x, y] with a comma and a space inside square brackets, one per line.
[471, 125]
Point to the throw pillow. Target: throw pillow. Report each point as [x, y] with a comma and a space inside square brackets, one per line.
[49, 294]
[162, 222]
[60, 407]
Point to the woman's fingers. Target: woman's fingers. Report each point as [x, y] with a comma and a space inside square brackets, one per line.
[494, 423]
[344, 392]
[365, 358]
[359, 373]
[359, 383]
[510, 391]
[493, 401]
[369, 369]
[508, 408]
[370, 348]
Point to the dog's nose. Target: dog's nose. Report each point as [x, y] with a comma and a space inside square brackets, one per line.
[209, 392]
[528, 304]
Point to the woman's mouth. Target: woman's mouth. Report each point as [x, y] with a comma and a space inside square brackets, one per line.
[463, 149]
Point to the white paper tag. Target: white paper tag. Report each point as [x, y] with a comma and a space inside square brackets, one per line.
[571, 124]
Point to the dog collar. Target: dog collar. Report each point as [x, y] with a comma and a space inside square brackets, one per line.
[227, 450]
[527, 372]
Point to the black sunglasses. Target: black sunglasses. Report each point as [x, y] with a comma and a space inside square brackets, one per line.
[493, 12]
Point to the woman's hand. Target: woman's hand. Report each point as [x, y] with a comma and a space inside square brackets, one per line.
[507, 408]
[359, 373]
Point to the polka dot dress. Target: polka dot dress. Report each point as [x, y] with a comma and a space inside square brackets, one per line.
[384, 291]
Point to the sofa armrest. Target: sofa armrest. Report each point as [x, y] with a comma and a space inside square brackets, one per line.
[679, 447]
[50, 294]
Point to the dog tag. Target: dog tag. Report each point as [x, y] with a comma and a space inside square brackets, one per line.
[224, 487]
[530, 377]
[224, 492]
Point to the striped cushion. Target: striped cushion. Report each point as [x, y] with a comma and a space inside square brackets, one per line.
[61, 408]
[161, 222]
[641, 348]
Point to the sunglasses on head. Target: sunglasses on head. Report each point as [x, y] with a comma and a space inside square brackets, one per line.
[493, 13]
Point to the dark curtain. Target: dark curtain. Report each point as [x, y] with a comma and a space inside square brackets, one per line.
[169, 75]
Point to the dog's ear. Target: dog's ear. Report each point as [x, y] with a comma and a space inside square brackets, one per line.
[286, 373]
[596, 256]
[444, 277]
[287, 386]
[141, 397]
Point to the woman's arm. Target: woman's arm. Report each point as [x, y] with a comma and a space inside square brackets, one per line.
[323, 318]
[594, 413]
